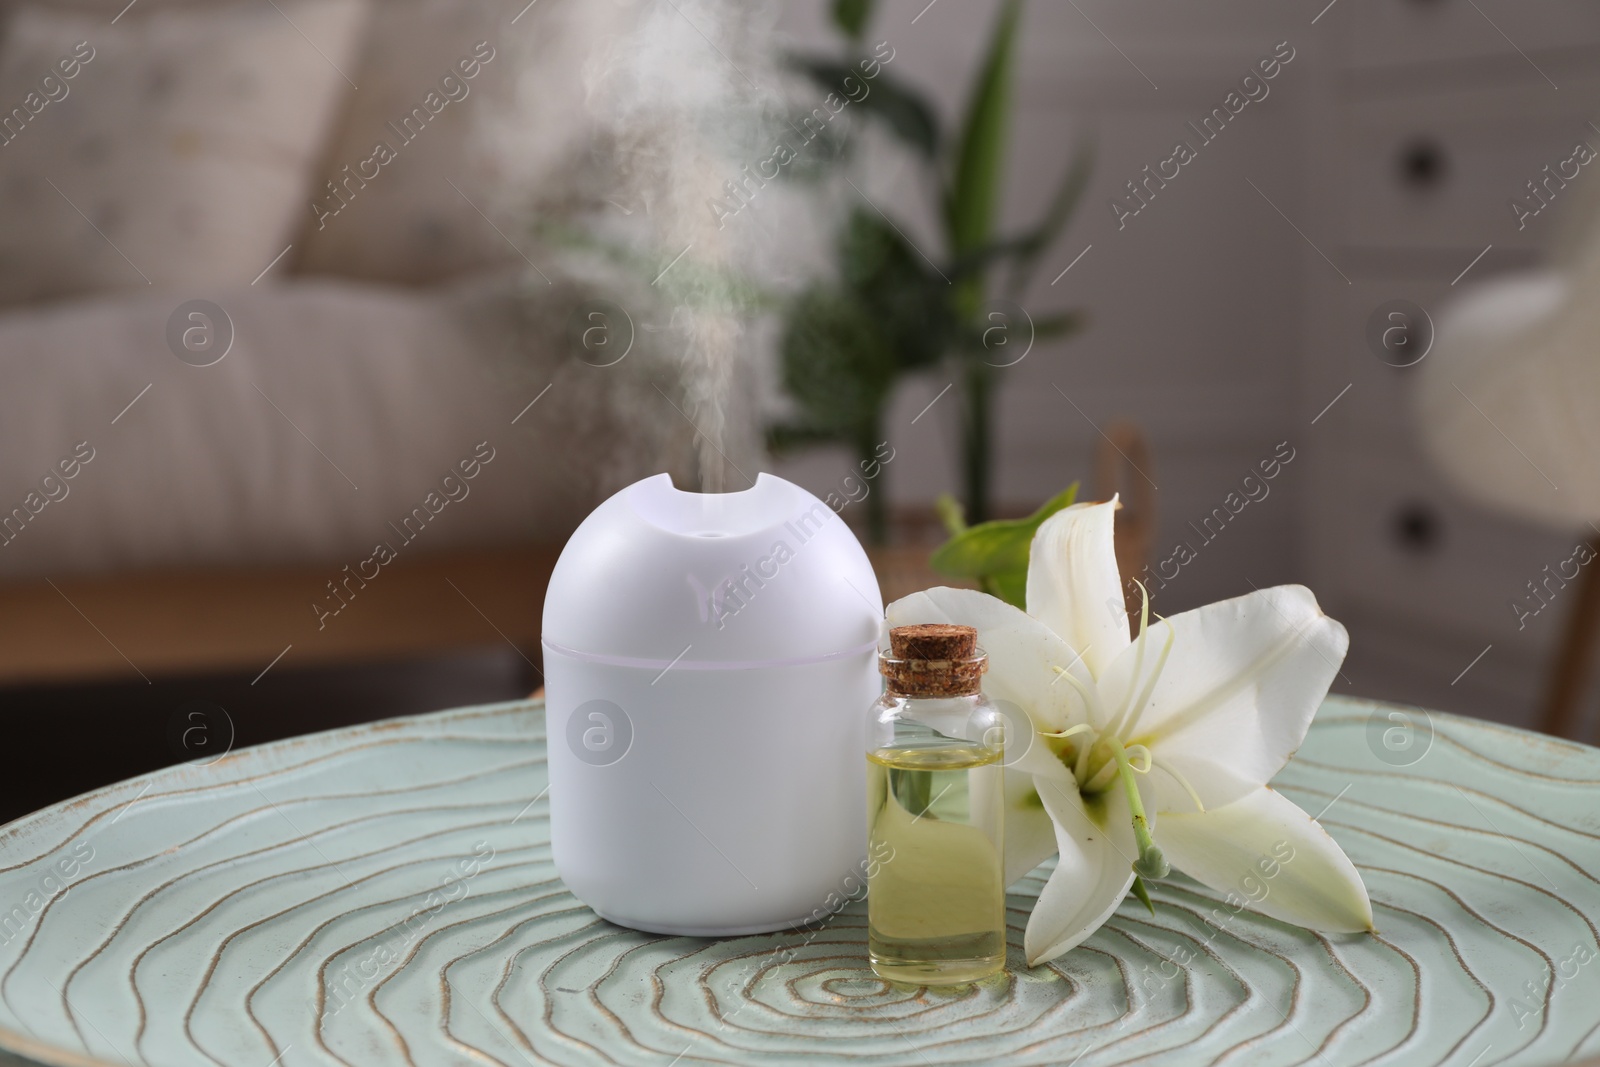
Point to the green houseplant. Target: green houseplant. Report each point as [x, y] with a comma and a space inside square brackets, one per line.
[891, 310]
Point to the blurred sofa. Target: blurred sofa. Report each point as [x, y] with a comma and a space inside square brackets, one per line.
[262, 295]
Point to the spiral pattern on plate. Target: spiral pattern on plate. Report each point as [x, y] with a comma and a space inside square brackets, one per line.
[385, 895]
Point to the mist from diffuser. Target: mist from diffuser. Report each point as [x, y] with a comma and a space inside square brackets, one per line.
[707, 660]
[619, 181]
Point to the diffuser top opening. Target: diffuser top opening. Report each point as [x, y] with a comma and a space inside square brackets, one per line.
[765, 576]
[663, 505]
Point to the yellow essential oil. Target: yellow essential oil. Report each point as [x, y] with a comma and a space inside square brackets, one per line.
[936, 906]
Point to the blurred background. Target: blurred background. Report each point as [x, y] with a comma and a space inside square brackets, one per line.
[324, 322]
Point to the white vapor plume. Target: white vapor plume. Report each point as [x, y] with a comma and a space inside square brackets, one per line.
[631, 118]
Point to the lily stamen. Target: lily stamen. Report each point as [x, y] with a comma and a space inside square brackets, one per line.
[1102, 777]
[1140, 750]
[1115, 725]
[1080, 766]
[1091, 699]
[1168, 768]
[1142, 701]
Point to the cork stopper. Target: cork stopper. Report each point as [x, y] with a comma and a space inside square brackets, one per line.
[933, 660]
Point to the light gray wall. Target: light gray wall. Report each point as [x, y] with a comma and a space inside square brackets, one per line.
[1224, 324]
[1195, 305]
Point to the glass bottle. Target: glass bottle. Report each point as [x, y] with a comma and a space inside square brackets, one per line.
[935, 816]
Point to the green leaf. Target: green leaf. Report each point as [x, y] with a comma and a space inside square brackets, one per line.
[852, 16]
[1024, 250]
[786, 437]
[818, 150]
[694, 282]
[975, 189]
[975, 262]
[996, 552]
[1141, 891]
[897, 288]
[1037, 241]
[1010, 586]
[1054, 327]
[951, 515]
[845, 343]
[971, 339]
[906, 112]
[836, 363]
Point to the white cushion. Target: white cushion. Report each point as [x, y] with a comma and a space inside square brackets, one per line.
[338, 409]
[407, 224]
[180, 153]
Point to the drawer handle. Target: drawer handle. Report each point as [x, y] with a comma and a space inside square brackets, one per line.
[1418, 528]
[1422, 164]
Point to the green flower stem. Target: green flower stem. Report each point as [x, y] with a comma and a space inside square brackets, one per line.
[976, 433]
[1151, 863]
[877, 495]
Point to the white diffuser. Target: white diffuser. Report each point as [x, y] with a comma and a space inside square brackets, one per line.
[707, 660]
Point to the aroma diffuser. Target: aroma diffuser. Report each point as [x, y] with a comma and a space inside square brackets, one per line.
[707, 660]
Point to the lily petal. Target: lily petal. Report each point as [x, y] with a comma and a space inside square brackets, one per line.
[1022, 651]
[1073, 583]
[1030, 835]
[1263, 846]
[1236, 695]
[1095, 839]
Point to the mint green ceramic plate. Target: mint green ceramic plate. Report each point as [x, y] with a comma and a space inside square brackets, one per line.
[384, 895]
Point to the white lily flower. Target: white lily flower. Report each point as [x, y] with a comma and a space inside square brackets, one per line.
[1181, 727]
